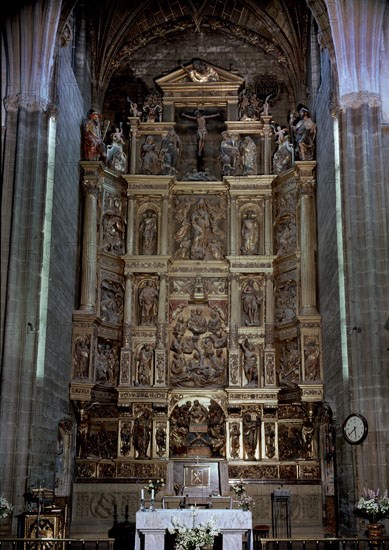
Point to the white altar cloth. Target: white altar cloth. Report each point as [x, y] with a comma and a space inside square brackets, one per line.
[233, 524]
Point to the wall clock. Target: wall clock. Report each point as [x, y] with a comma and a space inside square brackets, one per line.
[355, 428]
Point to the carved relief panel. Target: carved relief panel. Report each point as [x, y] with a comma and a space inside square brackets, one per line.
[199, 227]
[113, 223]
[198, 345]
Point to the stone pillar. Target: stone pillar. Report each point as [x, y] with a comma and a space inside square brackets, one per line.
[233, 222]
[268, 226]
[269, 366]
[127, 312]
[130, 225]
[269, 299]
[233, 359]
[160, 357]
[134, 122]
[126, 377]
[305, 171]
[162, 298]
[234, 301]
[163, 237]
[92, 188]
[267, 132]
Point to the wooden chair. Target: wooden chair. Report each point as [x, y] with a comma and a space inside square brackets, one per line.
[260, 532]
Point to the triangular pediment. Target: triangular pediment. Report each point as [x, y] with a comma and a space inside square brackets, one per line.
[212, 75]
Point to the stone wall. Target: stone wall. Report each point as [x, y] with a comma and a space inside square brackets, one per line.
[62, 254]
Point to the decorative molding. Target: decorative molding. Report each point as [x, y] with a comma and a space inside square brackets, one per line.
[355, 100]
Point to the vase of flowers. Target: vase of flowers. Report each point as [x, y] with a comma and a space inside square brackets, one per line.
[5, 508]
[154, 485]
[242, 498]
[372, 507]
[196, 537]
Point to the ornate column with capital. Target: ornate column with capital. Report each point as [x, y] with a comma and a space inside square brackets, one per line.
[307, 182]
[92, 185]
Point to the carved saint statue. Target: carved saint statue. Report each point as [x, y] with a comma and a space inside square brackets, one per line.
[142, 434]
[252, 299]
[250, 234]
[250, 363]
[94, 148]
[248, 153]
[145, 365]
[149, 231]
[250, 434]
[148, 303]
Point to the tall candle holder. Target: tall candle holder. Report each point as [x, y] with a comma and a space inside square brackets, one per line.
[142, 505]
[152, 505]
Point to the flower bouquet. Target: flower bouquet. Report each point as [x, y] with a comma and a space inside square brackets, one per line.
[193, 538]
[154, 485]
[244, 500]
[5, 508]
[371, 507]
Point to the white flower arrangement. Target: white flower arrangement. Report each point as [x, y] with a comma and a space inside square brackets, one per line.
[371, 507]
[195, 537]
[5, 507]
[154, 485]
[238, 487]
[243, 499]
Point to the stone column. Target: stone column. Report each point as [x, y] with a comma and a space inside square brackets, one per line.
[233, 226]
[267, 132]
[125, 354]
[134, 121]
[92, 188]
[130, 225]
[305, 171]
[268, 227]
[127, 310]
[162, 298]
[269, 371]
[269, 299]
[233, 358]
[163, 238]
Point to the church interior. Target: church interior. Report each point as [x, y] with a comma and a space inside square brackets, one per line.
[195, 261]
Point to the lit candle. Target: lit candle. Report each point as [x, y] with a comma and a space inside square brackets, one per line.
[142, 494]
[152, 494]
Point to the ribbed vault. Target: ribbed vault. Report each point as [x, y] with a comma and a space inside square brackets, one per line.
[278, 27]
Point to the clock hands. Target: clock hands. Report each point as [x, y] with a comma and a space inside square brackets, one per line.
[352, 431]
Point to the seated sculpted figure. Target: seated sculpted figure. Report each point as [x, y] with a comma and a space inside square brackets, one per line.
[201, 72]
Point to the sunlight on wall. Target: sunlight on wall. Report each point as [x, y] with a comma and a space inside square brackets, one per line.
[45, 272]
[339, 236]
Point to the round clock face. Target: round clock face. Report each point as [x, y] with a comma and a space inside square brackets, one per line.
[355, 428]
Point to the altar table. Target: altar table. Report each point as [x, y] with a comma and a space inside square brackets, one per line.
[233, 524]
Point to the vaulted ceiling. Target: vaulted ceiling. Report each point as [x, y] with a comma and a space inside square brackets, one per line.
[119, 28]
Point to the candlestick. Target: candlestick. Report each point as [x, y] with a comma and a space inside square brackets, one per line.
[152, 494]
[142, 494]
